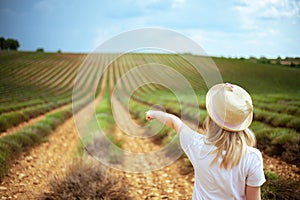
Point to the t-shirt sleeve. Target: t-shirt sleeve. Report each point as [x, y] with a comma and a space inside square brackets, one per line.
[256, 175]
[188, 137]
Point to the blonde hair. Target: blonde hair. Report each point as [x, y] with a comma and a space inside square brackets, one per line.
[234, 143]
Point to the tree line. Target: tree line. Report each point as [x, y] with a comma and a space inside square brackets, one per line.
[9, 44]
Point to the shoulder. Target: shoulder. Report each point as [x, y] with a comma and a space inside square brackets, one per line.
[253, 153]
[186, 131]
[189, 137]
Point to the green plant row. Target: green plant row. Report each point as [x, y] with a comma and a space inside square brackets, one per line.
[25, 94]
[278, 98]
[12, 145]
[11, 119]
[13, 62]
[16, 106]
[284, 108]
[21, 94]
[277, 120]
[25, 73]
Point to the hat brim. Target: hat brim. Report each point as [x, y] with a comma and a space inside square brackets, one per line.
[221, 122]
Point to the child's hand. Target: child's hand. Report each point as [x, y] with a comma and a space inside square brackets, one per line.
[148, 115]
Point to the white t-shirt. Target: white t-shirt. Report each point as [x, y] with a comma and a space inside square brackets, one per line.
[213, 182]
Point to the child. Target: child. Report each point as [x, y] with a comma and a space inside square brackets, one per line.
[225, 163]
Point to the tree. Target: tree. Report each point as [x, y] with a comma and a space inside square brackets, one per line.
[292, 64]
[9, 44]
[2, 43]
[12, 44]
[39, 50]
[264, 60]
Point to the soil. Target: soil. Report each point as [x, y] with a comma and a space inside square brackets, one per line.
[170, 182]
[284, 170]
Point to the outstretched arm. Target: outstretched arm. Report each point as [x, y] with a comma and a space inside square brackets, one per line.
[165, 118]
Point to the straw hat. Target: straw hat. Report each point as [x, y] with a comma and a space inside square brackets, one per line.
[229, 106]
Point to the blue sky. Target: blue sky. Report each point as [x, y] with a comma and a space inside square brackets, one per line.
[222, 28]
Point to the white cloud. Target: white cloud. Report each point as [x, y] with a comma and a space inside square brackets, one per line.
[251, 12]
[236, 44]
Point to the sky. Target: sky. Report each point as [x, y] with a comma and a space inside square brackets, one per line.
[231, 28]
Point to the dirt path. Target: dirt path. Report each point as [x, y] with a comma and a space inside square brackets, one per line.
[170, 182]
[167, 183]
[284, 170]
[29, 175]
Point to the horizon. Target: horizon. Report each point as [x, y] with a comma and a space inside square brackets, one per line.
[158, 53]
